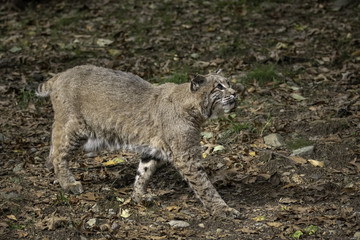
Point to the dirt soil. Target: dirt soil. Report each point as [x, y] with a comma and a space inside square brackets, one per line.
[300, 63]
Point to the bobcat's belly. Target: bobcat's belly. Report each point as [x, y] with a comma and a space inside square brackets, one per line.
[98, 144]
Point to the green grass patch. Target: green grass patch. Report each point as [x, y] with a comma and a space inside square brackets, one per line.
[25, 97]
[262, 74]
[298, 143]
[61, 199]
[233, 49]
[176, 77]
[16, 226]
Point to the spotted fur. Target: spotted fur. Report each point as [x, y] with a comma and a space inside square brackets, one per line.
[101, 108]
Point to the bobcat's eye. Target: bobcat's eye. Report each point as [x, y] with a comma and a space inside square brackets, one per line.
[220, 86]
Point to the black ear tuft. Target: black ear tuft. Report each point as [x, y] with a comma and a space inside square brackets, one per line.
[197, 82]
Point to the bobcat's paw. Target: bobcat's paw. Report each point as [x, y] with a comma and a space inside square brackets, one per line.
[145, 199]
[74, 187]
[226, 212]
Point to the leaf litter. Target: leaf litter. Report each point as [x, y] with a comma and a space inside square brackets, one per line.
[299, 62]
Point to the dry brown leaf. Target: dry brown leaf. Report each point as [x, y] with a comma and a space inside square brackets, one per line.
[89, 196]
[299, 160]
[274, 224]
[21, 233]
[173, 208]
[246, 230]
[357, 165]
[12, 217]
[287, 200]
[316, 163]
[288, 185]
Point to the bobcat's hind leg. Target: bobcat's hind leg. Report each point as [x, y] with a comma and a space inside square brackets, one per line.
[64, 141]
[146, 169]
[49, 162]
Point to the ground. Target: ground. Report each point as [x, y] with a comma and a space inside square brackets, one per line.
[300, 64]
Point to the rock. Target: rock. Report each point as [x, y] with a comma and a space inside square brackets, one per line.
[115, 226]
[219, 230]
[104, 227]
[178, 224]
[274, 140]
[201, 225]
[95, 208]
[303, 151]
[357, 235]
[111, 212]
[19, 167]
[92, 222]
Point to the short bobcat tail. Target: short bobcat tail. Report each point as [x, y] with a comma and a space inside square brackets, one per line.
[44, 89]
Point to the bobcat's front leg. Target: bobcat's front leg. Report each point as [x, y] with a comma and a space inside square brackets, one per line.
[193, 172]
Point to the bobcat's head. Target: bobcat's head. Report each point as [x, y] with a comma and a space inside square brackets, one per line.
[216, 95]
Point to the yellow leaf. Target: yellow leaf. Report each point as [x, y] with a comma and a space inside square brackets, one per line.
[114, 161]
[12, 217]
[259, 218]
[125, 213]
[274, 224]
[298, 159]
[173, 208]
[316, 163]
[204, 155]
[252, 154]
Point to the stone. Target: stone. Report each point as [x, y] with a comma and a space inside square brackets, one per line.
[274, 140]
[303, 151]
[357, 235]
[92, 222]
[19, 167]
[115, 226]
[201, 225]
[178, 224]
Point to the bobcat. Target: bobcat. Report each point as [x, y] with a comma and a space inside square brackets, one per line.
[98, 107]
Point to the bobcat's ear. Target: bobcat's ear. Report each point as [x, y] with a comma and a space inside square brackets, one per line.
[197, 82]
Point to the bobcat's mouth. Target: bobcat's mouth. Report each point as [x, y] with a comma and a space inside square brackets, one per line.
[229, 100]
[229, 103]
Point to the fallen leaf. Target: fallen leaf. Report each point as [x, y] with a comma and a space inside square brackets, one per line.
[274, 224]
[102, 42]
[125, 213]
[287, 200]
[15, 49]
[297, 97]
[206, 135]
[298, 159]
[12, 217]
[252, 154]
[288, 186]
[259, 218]
[158, 238]
[114, 161]
[173, 208]
[21, 233]
[55, 221]
[316, 163]
[357, 165]
[218, 148]
[89, 196]
[246, 230]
